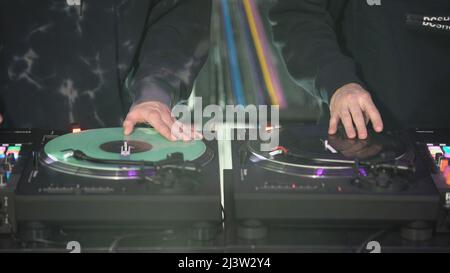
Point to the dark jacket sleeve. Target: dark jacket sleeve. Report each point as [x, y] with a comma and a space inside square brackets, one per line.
[175, 49]
[306, 34]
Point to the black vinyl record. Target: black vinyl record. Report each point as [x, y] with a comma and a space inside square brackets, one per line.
[311, 151]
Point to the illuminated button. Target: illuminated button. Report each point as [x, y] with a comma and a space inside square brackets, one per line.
[14, 150]
[435, 150]
[443, 165]
[447, 175]
[2, 151]
[446, 151]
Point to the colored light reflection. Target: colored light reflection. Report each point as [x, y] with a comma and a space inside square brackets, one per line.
[363, 172]
[132, 173]
[320, 172]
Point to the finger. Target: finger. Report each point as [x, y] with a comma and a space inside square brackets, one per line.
[197, 135]
[181, 130]
[334, 121]
[346, 119]
[168, 121]
[154, 119]
[366, 118]
[374, 116]
[188, 132]
[358, 120]
[177, 130]
[128, 125]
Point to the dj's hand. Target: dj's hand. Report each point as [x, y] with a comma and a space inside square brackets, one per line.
[159, 116]
[353, 106]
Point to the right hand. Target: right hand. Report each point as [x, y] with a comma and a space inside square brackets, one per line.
[159, 116]
[353, 106]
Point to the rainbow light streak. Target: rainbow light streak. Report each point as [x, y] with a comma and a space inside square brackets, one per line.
[264, 54]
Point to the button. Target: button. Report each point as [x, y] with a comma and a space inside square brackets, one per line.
[447, 175]
[14, 150]
[443, 165]
[2, 151]
[434, 150]
[446, 151]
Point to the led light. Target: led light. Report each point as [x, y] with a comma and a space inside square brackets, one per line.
[320, 172]
[446, 151]
[2, 151]
[447, 175]
[14, 150]
[363, 172]
[446, 172]
[435, 150]
[443, 165]
[76, 130]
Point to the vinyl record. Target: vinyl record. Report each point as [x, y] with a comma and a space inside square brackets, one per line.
[310, 151]
[145, 143]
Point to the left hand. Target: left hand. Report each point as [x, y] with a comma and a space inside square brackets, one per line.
[159, 116]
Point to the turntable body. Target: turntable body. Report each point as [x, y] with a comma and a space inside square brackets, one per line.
[311, 179]
[314, 178]
[50, 186]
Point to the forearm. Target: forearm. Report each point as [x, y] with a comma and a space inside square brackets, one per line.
[174, 51]
[306, 32]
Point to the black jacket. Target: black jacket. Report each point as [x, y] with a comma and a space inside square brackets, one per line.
[385, 45]
[61, 64]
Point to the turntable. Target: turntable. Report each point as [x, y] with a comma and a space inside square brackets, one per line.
[99, 177]
[314, 178]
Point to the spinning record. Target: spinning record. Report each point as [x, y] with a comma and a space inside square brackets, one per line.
[310, 151]
[145, 145]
